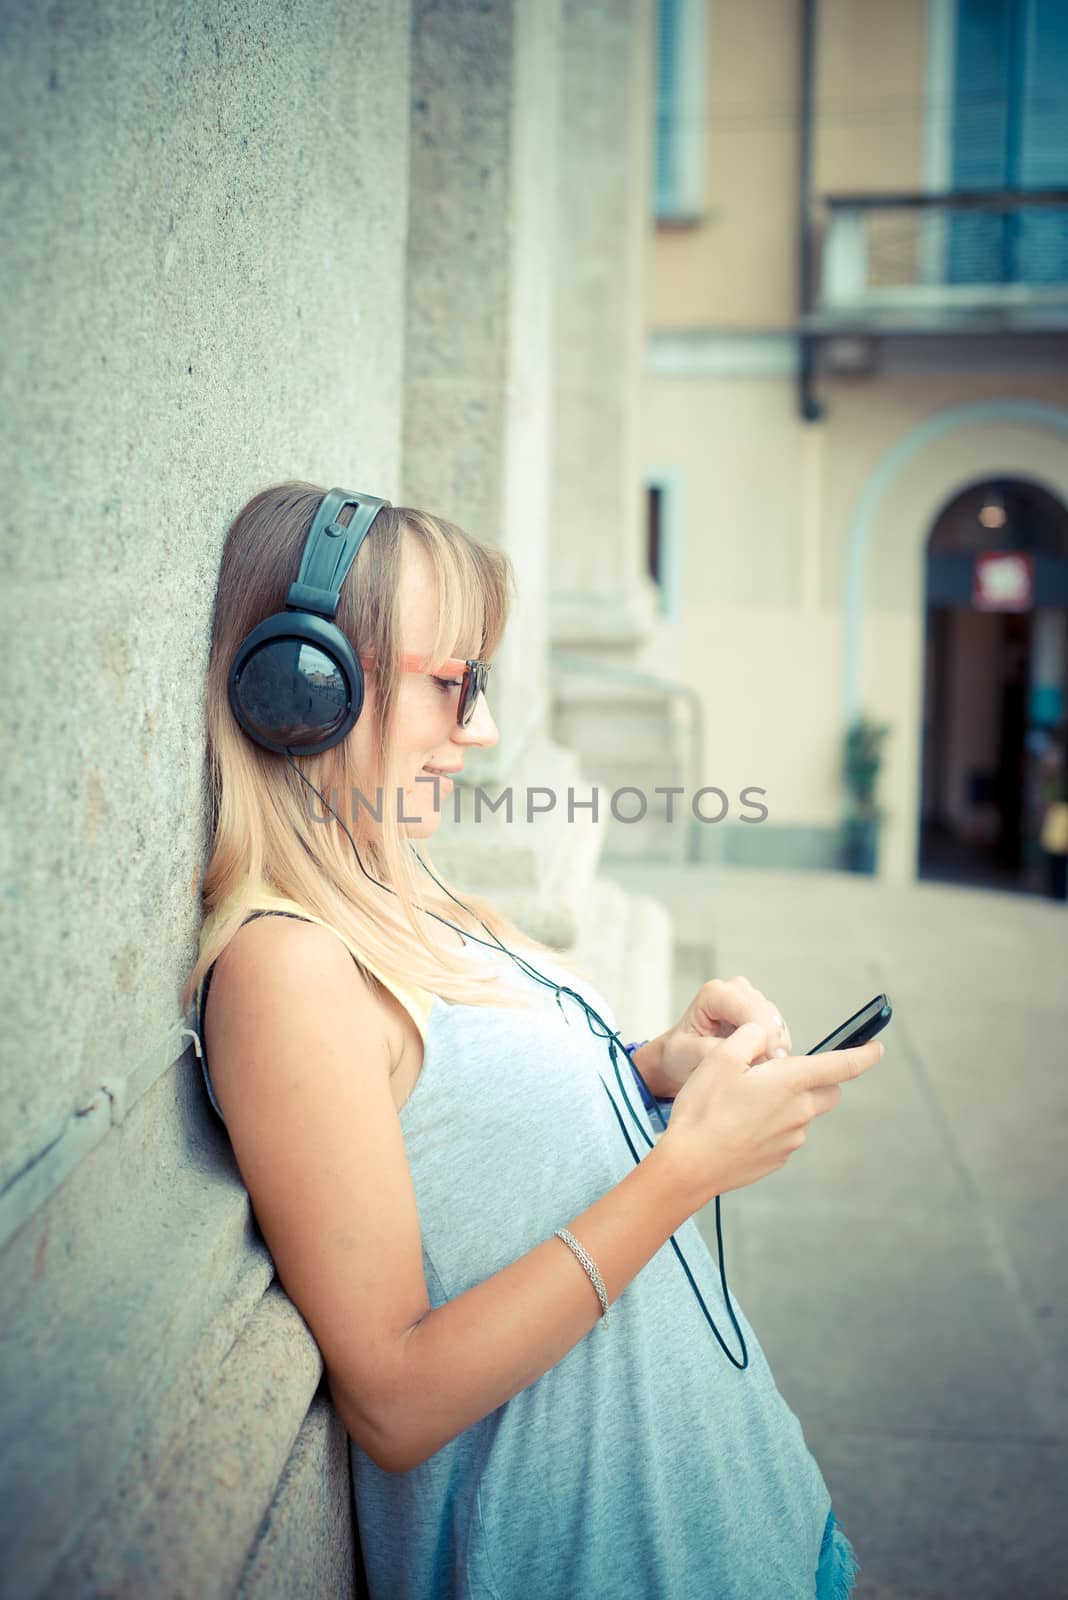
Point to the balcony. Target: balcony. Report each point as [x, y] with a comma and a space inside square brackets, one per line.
[940, 263]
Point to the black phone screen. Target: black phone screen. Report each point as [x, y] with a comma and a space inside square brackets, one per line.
[860, 1027]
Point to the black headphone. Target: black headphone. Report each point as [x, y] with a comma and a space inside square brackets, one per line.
[295, 682]
[296, 687]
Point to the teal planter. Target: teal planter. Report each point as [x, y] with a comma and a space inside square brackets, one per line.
[860, 848]
[862, 759]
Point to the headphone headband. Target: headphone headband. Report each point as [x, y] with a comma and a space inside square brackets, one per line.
[330, 549]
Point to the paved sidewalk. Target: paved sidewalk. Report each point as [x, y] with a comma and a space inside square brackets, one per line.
[907, 1271]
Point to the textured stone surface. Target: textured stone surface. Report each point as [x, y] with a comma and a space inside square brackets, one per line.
[204, 262]
[306, 1544]
[204, 217]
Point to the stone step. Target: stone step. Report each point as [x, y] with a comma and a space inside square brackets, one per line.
[632, 738]
[613, 736]
[601, 943]
[637, 825]
[502, 848]
[538, 872]
[648, 965]
[604, 719]
[626, 945]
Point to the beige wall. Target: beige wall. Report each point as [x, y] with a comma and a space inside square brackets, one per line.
[768, 635]
[769, 506]
[871, 58]
[765, 669]
[738, 267]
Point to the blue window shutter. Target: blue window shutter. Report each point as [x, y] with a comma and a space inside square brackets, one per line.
[1042, 243]
[1010, 130]
[980, 134]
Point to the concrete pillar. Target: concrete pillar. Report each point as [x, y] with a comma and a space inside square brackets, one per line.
[203, 227]
[478, 345]
[483, 268]
[600, 595]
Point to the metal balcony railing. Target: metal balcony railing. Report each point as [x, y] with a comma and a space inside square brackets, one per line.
[935, 259]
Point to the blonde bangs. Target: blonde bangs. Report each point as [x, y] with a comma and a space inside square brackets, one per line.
[474, 587]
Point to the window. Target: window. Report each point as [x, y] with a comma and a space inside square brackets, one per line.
[1010, 131]
[654, 524]
[681, 110]
[663, 516]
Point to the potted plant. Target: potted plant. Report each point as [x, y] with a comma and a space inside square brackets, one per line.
[862, 762]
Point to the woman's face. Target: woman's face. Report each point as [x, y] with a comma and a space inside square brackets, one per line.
[426, 733]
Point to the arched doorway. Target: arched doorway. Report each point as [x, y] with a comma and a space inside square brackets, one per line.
[996, 672]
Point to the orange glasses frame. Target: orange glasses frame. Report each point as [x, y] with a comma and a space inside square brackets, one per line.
[473, 675]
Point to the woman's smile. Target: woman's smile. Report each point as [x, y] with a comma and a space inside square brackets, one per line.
[443, 775]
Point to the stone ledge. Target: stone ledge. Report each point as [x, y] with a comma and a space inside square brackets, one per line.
[216, 1483]
[163, 1284]
[626, 944]
[538, 872]
[307, 1542]
[648, 966]
[616, 621]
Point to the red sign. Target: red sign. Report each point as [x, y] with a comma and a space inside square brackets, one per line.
[1003, 580]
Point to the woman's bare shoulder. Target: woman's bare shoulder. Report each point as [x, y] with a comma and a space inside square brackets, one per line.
[278, 970]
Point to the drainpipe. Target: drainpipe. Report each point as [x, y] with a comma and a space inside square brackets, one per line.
[810, 406]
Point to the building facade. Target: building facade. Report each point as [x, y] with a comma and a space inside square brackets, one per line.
[854, 415]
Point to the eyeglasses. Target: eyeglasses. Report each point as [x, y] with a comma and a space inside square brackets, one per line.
[472, 676]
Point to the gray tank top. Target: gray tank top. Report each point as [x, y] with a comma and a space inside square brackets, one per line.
[644, 1465]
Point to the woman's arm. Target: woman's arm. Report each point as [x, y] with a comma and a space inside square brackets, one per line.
[301, 1048]
[470, 1355]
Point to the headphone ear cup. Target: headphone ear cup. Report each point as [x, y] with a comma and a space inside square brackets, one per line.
[296, 684]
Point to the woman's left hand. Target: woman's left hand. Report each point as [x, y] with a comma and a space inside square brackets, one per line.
[719, 1007]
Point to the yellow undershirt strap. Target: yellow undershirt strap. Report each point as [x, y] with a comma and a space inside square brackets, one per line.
[417, 1002]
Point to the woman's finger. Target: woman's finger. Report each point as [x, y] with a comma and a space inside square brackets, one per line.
[778, 1023]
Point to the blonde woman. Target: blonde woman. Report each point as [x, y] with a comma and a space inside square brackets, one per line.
[521, 1326]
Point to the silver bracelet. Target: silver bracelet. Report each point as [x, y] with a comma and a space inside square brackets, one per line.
[591, 1268]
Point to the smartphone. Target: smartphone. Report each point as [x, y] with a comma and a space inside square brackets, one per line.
[861, 1027]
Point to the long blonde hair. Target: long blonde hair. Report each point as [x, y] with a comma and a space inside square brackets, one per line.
[263, 832]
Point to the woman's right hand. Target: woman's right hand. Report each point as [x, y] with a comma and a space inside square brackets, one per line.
[733, 1122]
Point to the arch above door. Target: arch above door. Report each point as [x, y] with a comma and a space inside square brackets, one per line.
[885, 550]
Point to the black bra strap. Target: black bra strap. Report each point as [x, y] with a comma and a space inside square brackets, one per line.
[207, 976]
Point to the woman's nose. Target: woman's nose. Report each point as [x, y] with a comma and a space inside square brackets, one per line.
[482, 729]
